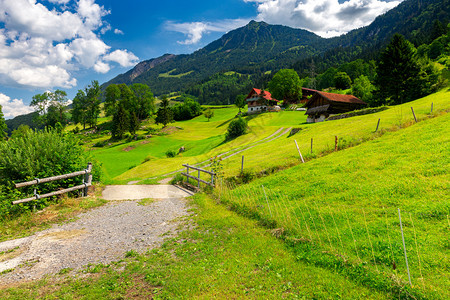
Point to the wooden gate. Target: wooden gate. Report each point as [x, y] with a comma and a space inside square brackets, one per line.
[198, 179]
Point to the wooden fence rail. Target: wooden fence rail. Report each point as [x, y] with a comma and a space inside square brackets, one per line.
[211, 183]
[87, 181]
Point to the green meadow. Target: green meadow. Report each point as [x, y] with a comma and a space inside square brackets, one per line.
[202, 140]
[341, 210]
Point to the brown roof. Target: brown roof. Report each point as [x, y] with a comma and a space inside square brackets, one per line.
[266, 95]
[341, 98]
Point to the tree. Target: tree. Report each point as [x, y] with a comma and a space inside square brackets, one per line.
[342, 81]
[79, 108]
[86, 105]
[134, 123]
[236, 128]
[92, 103]
[21, 131]
[164, 114]
[286, 85]
[399, 75]
[51, 107]
[144, 100]
[208, 113]
[112, 96]
[240, 102]
[3, 127]
[120, 122]
[363, 88]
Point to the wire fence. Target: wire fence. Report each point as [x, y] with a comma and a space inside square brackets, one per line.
[410, 248]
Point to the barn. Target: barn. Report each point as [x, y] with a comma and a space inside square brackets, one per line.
[260, 101]
[321, 105]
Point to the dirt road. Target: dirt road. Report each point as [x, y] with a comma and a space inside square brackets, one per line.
[100, 235]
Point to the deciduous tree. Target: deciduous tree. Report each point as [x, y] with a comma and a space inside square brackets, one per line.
[51, 107]
[286, 85]
[208, 113]
[240, 102]
[145, 102]
[342, 81]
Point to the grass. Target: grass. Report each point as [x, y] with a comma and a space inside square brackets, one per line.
[169, 74]
[223, 256]
[346, 205]
[63, 210]
[283, 152]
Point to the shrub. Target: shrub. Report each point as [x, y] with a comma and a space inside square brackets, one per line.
[171, 153]
[39, 155]
[236, 128]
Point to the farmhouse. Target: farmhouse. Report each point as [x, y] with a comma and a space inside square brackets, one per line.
[306, 94]
[321, 105]
[260, 101]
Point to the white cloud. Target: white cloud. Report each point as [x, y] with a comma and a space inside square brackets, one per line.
[101, 67]
[122, 57]
[43, 48]
[118, 31]
[13, 107]
[196, 30]
[324, 17]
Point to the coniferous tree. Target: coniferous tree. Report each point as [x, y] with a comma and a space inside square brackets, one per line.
[164, 115]
[120, 122]
[399, 76]
[3, 126]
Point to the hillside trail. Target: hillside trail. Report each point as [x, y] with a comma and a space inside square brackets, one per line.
[225, 155]
[100, 235]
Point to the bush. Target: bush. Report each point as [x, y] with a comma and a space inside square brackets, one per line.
[39, 155]
[236, 128]
[171, 153]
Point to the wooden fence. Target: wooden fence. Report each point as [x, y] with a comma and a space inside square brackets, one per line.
[211, 183]
[87, 181]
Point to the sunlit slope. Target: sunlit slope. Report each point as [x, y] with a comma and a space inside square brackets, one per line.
[282, 151]
[347, 204]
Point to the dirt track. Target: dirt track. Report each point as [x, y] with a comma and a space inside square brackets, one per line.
[100, 235]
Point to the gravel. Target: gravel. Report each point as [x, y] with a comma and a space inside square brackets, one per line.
[101, 235]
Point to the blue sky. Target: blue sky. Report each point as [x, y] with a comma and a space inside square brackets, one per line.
[64, 44]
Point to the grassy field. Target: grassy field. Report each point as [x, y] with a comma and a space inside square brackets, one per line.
[204, 140]
[224, 256]
[346, 206]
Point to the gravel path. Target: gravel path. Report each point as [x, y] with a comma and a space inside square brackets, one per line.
[101, 235]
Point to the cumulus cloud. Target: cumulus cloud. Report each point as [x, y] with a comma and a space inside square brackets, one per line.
[43, 48]
[13, 107]
[324, 17]
[195, 30]
[118, 31]
[122, 57]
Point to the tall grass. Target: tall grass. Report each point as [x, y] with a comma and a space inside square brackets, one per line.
[341, 211]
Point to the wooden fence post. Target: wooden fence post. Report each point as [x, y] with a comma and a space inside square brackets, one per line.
[404, 246]
[87, 179]
[431, 108]
[412, 109]
[378, 124]
[335, 143]
[242, 165]
[301, 157]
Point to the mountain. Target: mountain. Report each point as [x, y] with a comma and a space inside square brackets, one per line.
[259, 48]
[256, 47]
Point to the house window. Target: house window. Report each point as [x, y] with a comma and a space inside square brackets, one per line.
[251, 109]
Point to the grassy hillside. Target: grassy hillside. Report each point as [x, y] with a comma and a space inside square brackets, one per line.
[224, 256]
[341, 210]
[204, 139]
